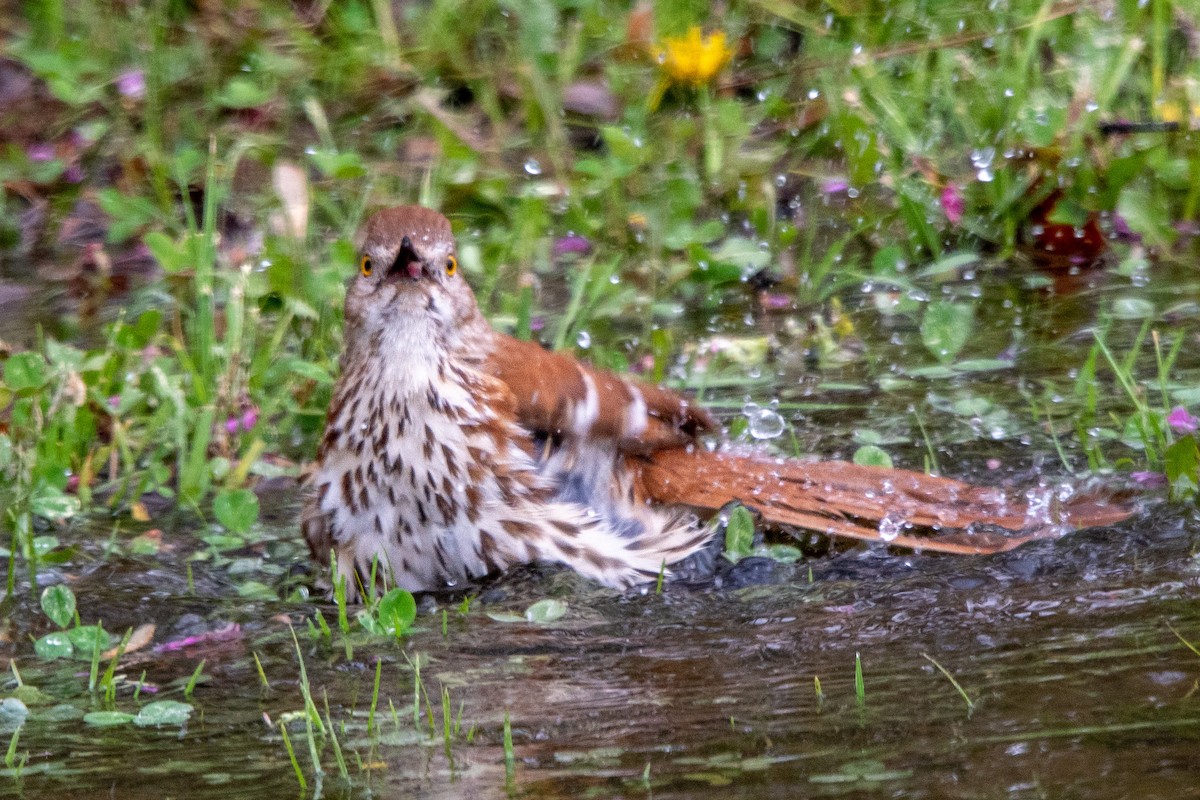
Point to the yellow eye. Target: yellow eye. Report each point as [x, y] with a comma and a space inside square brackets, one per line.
[451, 265]
[365, 266]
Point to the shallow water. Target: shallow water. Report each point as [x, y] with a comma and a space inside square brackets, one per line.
[1062, 646]
[1079, 686]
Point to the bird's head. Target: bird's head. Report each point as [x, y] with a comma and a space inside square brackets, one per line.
[408, 275]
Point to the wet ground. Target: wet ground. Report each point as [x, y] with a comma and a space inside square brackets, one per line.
[1069, 651]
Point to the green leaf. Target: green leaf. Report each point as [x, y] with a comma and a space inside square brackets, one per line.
[623, 146]
[107, 719]
[1068, 212]
[24, 371]
[743, 253]
[44, 545]
[867, 436]
[256, 590]
[950, 262]
[32, 696]
[52, 503]
[171, 255]
[236, 509]
[63, 712]
[309, 370]
[243, 92]
[784, 553]
[1183, 467]
[674, 17]
[933, 372]
[54, 645]
[397, 611]
[946, 328]
[1146, 213]
[1132, 308]
[1040, 122]
[739, 534]
[163, 712]
[12, 714]
[129, 213]
[871, 456]
[88, 638]
[58, 602]
[544, 611]
[889, 260]
[339, 166]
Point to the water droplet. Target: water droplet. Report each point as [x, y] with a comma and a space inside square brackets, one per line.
[982, 159]
[891, 526]
[765, 423]
[533, 167]
[583, 339]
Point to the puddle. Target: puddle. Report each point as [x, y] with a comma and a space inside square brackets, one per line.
[1063, 649]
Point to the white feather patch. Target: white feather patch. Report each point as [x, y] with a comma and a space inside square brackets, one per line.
[585, 414]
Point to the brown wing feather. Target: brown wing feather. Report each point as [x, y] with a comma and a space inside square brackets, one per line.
[552, 393]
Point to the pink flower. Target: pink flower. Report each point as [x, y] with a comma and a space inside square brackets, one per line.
[834, 185]
[572, 244]
[227, 632]
[952, 203]
[1150, 480]
[42, 151]
[232, 425]
[1122, 231]
[132, 84]
[1181, 421]
[643, 364]
[774, 301]
[249, 418]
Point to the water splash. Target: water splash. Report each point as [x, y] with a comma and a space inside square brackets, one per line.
[765, 423]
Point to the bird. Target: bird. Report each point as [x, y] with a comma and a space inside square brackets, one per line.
[452, 451]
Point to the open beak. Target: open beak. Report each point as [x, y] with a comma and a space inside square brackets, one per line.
[408, 263]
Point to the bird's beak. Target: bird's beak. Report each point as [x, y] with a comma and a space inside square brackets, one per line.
[408, 263]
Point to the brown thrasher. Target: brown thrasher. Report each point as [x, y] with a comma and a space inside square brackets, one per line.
[452, 451]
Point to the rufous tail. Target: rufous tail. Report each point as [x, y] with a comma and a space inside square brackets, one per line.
[839, 499]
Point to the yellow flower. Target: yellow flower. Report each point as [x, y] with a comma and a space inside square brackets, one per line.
[693, 58]
[1177, 112]
[841, 324]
